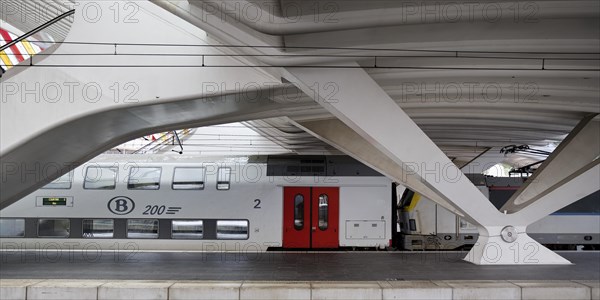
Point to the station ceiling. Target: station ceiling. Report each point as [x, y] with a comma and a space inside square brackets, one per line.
[473, 76]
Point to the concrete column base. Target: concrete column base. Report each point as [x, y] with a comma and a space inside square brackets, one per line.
[492, 249]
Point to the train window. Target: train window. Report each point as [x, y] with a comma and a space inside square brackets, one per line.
[299, 212]
[62, 182]
[406, 198]
[142, 229]
[188, 179]
[187, 229]
[54, 228]
[232, 230]
[223, 178]
[323, 212]
[412, 225]
[144, 178]
[98, 228]
[12, 228]
[100, 178]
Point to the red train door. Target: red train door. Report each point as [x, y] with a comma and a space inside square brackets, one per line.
[310, 217]
[296, 217]
[325, 217]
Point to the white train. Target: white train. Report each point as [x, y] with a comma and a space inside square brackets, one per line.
[226, 204]
[425, 225]
[252, 204]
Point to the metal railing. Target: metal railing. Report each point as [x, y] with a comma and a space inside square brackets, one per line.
[36, 30]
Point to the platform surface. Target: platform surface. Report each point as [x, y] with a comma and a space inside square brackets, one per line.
[283, 266]
[63, 289]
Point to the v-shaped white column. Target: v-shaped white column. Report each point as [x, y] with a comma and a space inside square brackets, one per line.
[360, 103]
[367, 109]
[337, 134]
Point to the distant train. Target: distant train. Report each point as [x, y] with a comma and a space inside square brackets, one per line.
[188, 203]
[425, 225]
[251, 204]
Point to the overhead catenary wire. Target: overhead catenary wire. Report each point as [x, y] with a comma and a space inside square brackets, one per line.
[427, 130]
[311, 66]
[317, 48]
[311, 55]
[425, 53]
[443, 129]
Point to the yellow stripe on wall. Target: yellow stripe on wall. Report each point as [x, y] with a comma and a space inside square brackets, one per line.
[5, 59]
[28, 47]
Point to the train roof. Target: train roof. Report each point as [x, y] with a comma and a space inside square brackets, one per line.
[277, 165]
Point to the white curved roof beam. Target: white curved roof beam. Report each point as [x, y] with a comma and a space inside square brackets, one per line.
[71, 105]
[70, 144]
